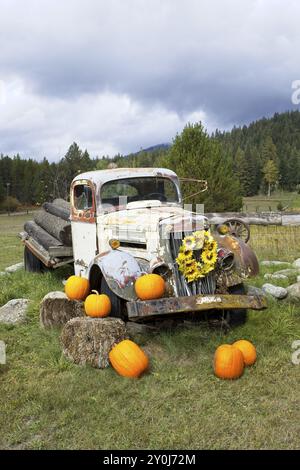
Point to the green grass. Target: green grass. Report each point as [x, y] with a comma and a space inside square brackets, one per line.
[49, 403]
[11, 247]
[261, 203]
[275, 241]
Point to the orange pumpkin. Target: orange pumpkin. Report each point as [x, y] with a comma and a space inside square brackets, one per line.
[77, 288]
[150, 286]
[228, 362]
[128, 359]
[248, 350]
[97, 305]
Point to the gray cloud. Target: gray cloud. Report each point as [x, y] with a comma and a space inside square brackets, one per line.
[118, 75]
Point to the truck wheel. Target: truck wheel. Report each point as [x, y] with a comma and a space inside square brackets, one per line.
[116, 303]
[236, 317]
[31, 263]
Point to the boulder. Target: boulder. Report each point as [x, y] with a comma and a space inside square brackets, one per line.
[290, 273]
[275, 263]
[89, 340]
[14, 311]
[56, 309]
[275, 291]
[276, 276]
[296, 264]
[294, 291]
[2, 273]
[252, 290]
[298, 278]
[14, 267]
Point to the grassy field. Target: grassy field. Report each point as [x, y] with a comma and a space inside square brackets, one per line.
[276, 242]
[47, 402]
[263, 203]
[11, 246]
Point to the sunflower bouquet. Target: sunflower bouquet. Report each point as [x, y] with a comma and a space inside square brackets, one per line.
[197, 255]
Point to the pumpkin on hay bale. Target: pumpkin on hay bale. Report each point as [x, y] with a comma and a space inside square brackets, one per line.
[77, 288]
[150, 286]
[97, 305]
[128, 359]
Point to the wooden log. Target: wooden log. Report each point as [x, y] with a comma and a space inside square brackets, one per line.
[266, 218]
[59, 211]
[291, 219]
[62, 203]
[55, 226]
[40, 235]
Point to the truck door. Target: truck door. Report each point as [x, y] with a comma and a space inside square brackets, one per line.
[83, 222]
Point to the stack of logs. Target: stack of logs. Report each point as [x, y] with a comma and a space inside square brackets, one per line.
[51, 226]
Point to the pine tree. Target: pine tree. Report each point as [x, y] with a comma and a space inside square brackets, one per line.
[269, 151]
[194, 155]
[271, 173]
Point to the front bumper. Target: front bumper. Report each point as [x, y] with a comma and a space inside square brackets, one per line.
[152, 308]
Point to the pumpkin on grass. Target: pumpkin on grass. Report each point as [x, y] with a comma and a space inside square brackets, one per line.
[128, 359]
[228, 362]
[150, 286]
[248, 350]
[97, 305]
[77, 288]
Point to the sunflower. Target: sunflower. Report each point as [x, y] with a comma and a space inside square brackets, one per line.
[199, 239]
[211, 246]
[189, 243]
[208, 236]
[191, 268]
[209, 257]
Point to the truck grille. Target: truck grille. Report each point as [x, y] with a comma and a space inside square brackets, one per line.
[206, 285]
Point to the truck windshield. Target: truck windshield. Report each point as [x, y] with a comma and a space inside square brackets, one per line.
[116, 194]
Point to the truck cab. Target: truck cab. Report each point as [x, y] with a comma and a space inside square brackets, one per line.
[127, 222]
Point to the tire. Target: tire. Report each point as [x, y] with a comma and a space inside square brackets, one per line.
[117, 305]
[236, 317]
[31, 263]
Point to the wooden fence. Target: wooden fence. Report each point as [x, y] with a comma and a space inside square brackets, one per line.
[263, 218]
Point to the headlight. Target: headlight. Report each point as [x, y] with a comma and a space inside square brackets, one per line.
[222, 229]
[114, 243]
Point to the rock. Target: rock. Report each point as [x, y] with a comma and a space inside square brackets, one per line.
[294, 291]
[14, 311]
[292, 272]
[2, 273]
[275, 263]
[252, 290]
[14, 267]
[276, 276]
[89, 340]
[135, 330]
[56, 309]
[298, 278]
[275, 291]
[296, 263]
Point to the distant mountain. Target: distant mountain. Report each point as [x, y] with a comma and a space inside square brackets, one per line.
[153, 148]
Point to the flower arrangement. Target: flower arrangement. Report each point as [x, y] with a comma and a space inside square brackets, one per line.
[197, 255]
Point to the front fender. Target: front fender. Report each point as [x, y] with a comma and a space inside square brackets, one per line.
[246, 263]
[120, 270]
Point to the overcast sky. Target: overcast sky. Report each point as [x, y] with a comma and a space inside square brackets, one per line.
[118, 75]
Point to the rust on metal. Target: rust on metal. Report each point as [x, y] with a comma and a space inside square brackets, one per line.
[246, 262]
[87, 215]
[149, 308]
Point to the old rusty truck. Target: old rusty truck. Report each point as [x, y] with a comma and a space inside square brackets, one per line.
[124, 222]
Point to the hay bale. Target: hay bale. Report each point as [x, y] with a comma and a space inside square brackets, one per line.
[89, 340]
[56, 309]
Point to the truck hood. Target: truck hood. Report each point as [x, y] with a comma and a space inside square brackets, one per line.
[149, 218]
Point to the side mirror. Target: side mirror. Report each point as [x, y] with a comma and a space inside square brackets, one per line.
[203, 186]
